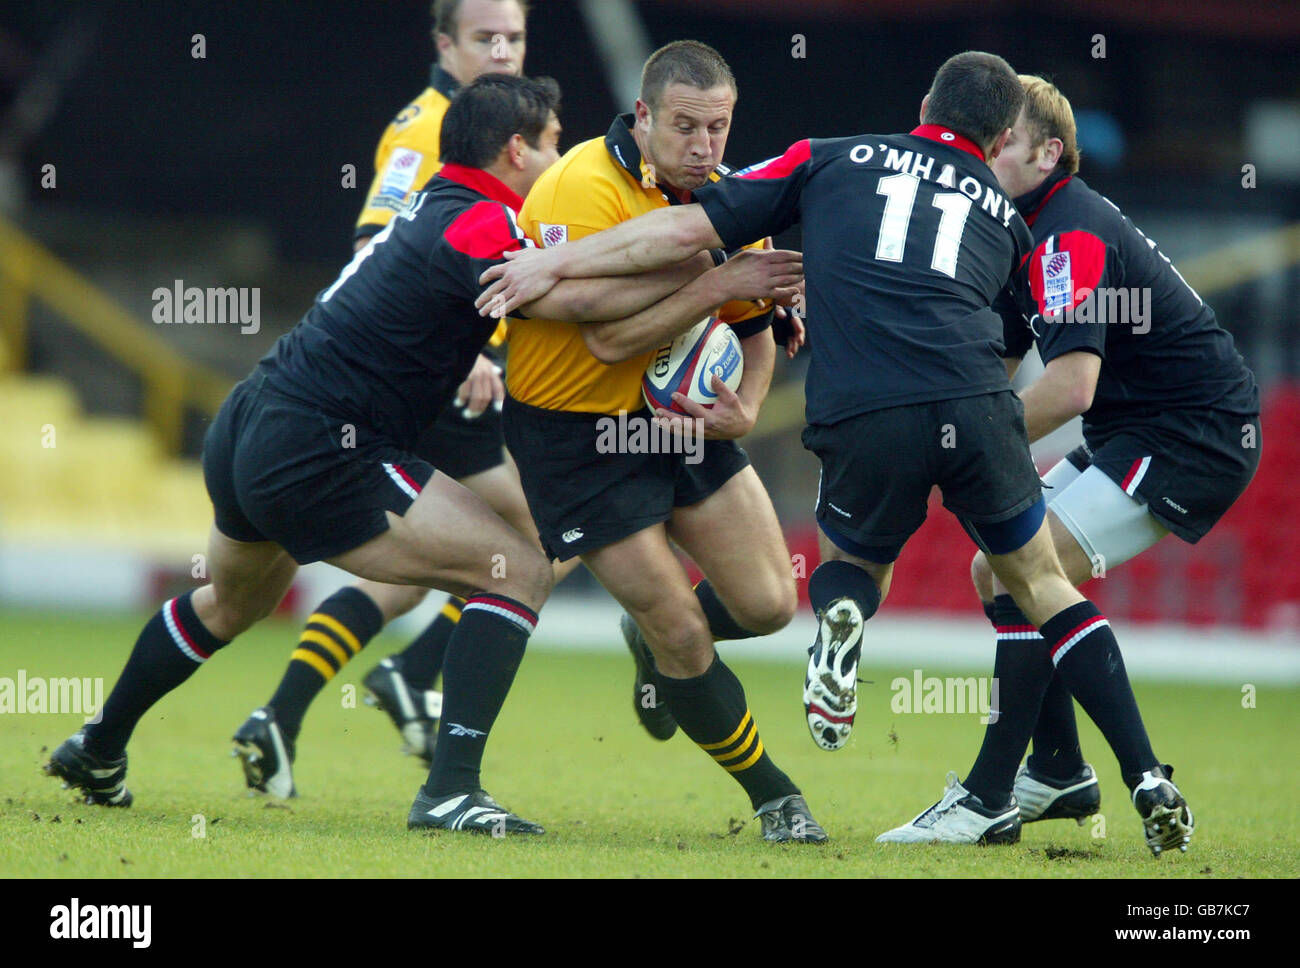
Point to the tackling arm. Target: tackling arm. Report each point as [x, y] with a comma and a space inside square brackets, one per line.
[642, 244]
[614, 297]
[753, 274]
[1064, 391]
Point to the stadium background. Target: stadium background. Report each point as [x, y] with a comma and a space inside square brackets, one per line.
[228, 170]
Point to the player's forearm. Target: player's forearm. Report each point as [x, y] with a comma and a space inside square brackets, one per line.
[622, 339]
[641, 244]
[1048, 406]
[615, 297]
[759, 352]
[1064, 391]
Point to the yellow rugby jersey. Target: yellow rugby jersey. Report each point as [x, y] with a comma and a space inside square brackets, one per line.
[597, 184]
[407, 157]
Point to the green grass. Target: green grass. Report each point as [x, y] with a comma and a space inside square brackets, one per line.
[568, 753]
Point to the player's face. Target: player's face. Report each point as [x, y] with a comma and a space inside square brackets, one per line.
[685, 136]
[1019, 166]
[545, 154]
[489, 40]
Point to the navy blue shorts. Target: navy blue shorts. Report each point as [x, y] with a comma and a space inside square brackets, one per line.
[460, 447]
[878, 469]
[278, 469]
[582, 499]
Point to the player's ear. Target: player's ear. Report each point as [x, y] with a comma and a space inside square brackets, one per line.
[443, 42]
[1051, 153]
[517, 151]
[999, 144]
[925, 105]
[642, 115]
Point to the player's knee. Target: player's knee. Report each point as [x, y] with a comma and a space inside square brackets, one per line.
[981, 575]
[531, 578]
[232, 617]
[771, 612]
[678, 639]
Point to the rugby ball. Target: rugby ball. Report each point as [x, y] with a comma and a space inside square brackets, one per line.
[687, 364]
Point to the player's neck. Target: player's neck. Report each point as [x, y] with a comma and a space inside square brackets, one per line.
[681, 194]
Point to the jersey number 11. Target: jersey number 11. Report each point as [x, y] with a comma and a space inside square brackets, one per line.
[900, 195]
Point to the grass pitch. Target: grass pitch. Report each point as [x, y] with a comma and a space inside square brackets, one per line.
[568, 753]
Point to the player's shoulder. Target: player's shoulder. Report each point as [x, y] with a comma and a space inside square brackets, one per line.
[1076, 207]
[582, 172]
[426, 110]
[419, 124]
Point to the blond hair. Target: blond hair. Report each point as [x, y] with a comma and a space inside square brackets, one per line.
[1049, 115]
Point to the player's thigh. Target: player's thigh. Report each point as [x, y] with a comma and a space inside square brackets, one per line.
[247, 581]
[735, 538]
[876, 477]
[1096, 526]
[500, 487]
[1032, 574]
[450, 539]
[392, 600]
[647, 579]
[1061, 475]
[986, 472]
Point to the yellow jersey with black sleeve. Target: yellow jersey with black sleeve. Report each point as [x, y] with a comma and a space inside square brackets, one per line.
[407, 156]
[596, 185]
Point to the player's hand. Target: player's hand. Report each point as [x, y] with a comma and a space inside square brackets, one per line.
[727, 419]
[528, 274]
[754, 274]
[481, 389]
[798, 333]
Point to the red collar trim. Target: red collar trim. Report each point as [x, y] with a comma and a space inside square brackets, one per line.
[1033, 216]
[937, 132]
[483, 183]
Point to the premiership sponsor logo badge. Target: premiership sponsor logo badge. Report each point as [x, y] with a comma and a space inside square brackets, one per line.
[553, 234]
[1057, 283]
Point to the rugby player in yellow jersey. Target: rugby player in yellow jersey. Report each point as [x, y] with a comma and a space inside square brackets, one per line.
[473, 37]
[619, 511]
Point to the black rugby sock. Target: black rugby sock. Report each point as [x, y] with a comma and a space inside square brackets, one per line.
[1022, 671]
[712, 710]
[170, 649]
[1057, 754]
[721, 624]
[482, 660]
[338, 629]
[1088, 660]
[421, 661]
[842, 579]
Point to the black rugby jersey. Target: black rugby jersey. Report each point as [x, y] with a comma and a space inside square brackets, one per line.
[1095, 283]
[389, 342]
[908, 239]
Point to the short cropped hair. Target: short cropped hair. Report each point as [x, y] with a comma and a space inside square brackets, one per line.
[446, 15]
[1048, 115]
[684, 62]
[977, 95]
[485, 115]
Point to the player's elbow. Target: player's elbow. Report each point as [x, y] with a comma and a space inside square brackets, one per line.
[601, 346]
[692, 232]
[1080, 395]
